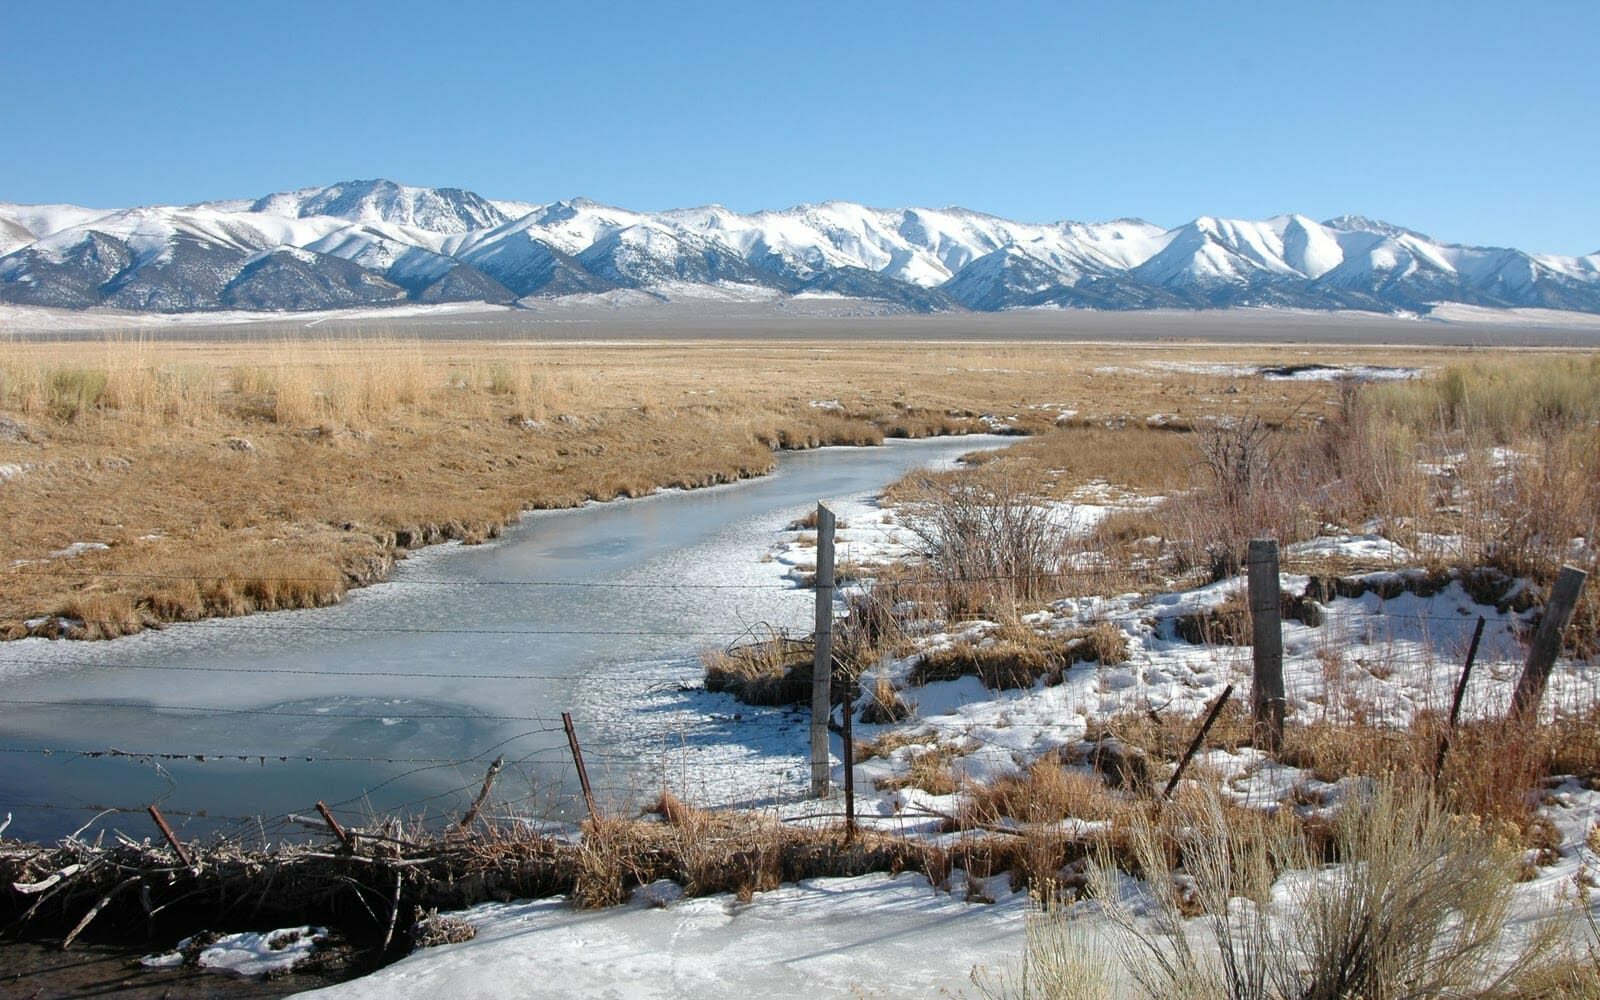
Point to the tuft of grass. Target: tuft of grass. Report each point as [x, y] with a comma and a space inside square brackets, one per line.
[1017, 656]
[928, 770]
[775, 671]
[884, 704]
[1047, 792]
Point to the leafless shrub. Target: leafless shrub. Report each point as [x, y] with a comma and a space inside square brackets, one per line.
[1245, 488]
[985, 541]
[1238, 457]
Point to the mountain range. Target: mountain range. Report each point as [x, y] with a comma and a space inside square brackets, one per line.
[365, 243]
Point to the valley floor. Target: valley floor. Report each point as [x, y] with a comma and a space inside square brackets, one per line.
[581, 319]
[1378, 651]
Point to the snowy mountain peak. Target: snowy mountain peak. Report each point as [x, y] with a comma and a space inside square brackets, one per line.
[379, 241]
[1363, 224]
[437, 210]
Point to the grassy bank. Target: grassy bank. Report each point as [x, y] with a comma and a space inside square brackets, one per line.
[149, 481]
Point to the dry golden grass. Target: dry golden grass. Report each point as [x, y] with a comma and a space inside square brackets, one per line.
[775, 671]
[1016, 656]
[928, 770]
[227, 477]
[1135, 458]
[1047, 792]
[888, 742]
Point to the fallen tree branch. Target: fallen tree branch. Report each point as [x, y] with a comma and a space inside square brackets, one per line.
[94, 911]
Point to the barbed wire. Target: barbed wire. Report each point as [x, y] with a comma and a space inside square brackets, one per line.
[216, 710]
[288, 671]
[230, 624]
[234, 578]
[257, 756]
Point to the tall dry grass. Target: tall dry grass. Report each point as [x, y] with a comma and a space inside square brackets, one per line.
[1503, 401]
[170, 450]
[1236, 905]
[1481, 466]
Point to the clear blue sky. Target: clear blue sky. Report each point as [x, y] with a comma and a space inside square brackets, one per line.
[1476, 122]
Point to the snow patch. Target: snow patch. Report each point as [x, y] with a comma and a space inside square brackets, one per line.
[246, 954]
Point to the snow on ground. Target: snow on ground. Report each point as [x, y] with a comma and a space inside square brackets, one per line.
[77, 549]
[722, 291]
[247, 954]
[1454, 312]
[875, 935]
[1330, 373]
[1364, 548]
[1376, 657]
[45, 319]
[1303, 372]
[1382, 660]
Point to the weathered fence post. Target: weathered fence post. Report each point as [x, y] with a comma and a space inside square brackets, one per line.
[822, 664]
[1197, 742]
[577, 761]
[848, 738]
[172, 838]
[494, 769]
[1266, 622]
[333, 824]
[1460, 696]
[1547, 642]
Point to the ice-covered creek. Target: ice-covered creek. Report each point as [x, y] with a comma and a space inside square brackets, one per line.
[599, 610]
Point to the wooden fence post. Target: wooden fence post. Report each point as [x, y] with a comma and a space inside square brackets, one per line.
[1547, 642]
[848, 738]
[172, 838]
[1461, 694]
[494, 769]
[1266, 621]
[577, 761]
[333, 824]
[822, 663]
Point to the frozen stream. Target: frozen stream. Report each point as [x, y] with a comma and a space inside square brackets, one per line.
[598, 610]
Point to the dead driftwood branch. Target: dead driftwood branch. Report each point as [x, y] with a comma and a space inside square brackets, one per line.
[483, 793]
[394, 910]
[373, 892]
[94, 911]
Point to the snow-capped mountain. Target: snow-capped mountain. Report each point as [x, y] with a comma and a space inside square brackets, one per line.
[374, 242]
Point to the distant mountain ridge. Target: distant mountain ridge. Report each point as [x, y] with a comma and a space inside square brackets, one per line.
[364, 243]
